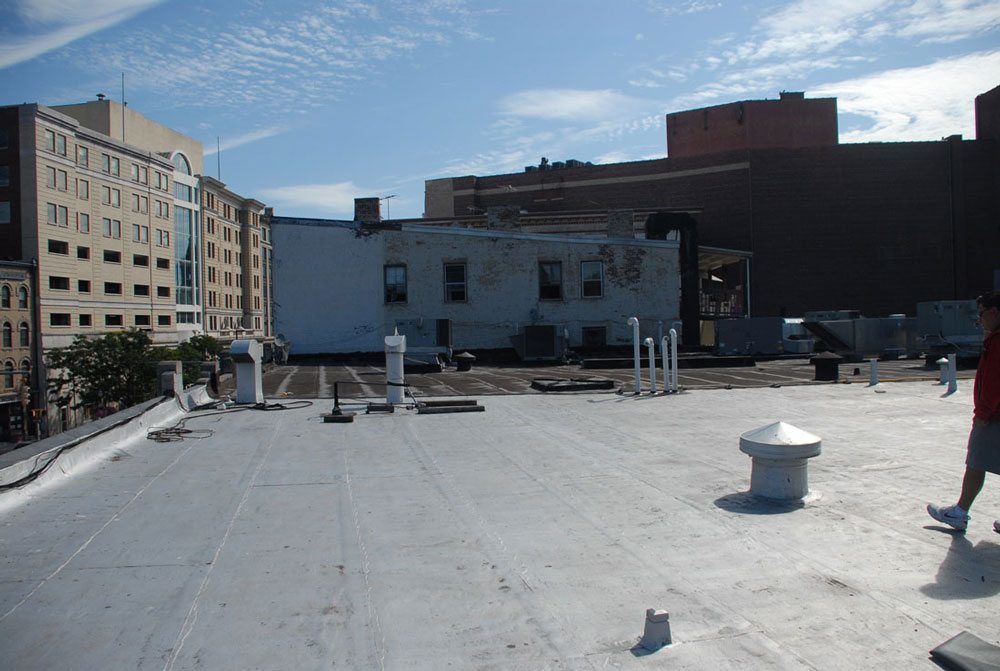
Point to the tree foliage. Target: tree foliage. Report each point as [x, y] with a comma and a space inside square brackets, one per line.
[117, 368]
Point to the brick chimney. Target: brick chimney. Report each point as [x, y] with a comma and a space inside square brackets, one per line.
[367, 209]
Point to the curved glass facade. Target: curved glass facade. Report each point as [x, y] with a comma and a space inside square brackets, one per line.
[186, 256]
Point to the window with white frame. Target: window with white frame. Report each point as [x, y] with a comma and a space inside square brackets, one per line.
[455, 283]
[550, 280]
[395, 283]
[592, 279]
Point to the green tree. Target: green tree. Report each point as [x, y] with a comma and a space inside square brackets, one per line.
[115, 368]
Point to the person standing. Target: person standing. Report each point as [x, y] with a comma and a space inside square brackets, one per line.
[984, 440]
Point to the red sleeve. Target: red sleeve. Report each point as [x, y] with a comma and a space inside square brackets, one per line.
[987, 385]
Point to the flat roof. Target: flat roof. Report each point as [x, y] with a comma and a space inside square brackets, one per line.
[533, 535]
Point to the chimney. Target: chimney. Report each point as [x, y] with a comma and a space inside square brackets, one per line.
[367, 209]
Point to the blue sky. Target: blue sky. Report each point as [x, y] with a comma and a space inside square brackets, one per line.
[319, 102]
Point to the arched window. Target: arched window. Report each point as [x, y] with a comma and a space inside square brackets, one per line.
[8, 375]
[181, 163]
[22, 298]
[26, 367]
[8, 335]
[25, 339]
[4, 296]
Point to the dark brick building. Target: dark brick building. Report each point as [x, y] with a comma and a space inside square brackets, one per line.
[877, 227]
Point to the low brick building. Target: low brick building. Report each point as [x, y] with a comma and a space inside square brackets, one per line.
[877, 227]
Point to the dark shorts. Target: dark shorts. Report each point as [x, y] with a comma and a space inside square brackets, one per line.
[984, 448]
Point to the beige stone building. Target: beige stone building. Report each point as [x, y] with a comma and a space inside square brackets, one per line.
[235, 237]
[108, 204]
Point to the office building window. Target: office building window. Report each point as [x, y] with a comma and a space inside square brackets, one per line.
[140, 260]
[85, 320]
[163, 292]
[82, 155]
[24, 335]
[162, 263]
[113, 288]
[83, 189]
[58, 283]
[550, 280]
[140, 289]
[8, 336]
[83, 252]
[62, 180]
[59, 319]
[454, 283]
[592, 278]
[111, 256]
[50, 177]
[112, 228]
[61, 145]
[22, 298]
[50, 140]
[142, 320]
[140, 233]
[163, 320]
[113, 320]
[105, 163]
[58, 247]
[4, 211]
[83, 286]
[83, 222]
[395, 284]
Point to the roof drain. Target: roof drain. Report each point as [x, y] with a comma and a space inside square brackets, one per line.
[780, 452]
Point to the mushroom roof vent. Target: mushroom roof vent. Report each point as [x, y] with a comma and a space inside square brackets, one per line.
[780, 440]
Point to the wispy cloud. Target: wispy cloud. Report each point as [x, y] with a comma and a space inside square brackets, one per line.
[569, 104]
[312, 53]
[919, 103]
[246, 138]
[681, 8]
[44, 25]
[336, 199]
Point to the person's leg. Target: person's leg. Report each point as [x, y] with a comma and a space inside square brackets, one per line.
[972, 484]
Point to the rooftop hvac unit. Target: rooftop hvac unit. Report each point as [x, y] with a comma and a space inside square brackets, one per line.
[531, 168]
[540, 343]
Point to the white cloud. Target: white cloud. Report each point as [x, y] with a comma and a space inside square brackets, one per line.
[919, 103]
[682, 8]
[308, 54]
[245, 138]
[569, 104]
[336, 199]
[54, 24]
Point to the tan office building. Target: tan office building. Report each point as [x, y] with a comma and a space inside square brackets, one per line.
[235, 237]
[109, 204]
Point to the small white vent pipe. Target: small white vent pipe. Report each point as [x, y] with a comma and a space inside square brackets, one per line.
[674, 386]
[634, 323]
[952, 373]
[873, 373]
[651, 351]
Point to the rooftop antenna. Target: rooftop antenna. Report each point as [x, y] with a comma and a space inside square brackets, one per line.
[123, 107]
[218, 158]
[386, 199]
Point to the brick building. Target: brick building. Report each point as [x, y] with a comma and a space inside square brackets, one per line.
[19, 386]
[876, 227]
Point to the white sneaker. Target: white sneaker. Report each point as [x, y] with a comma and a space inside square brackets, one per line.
[953, 516]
